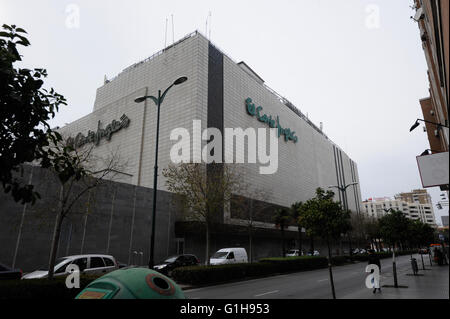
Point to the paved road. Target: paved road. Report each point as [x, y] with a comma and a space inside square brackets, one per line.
[349, 283]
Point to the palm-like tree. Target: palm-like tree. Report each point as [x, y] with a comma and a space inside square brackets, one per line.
[281, 219]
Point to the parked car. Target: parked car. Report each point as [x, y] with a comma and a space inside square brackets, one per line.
[362, 251]
[316, 253]
[294, 252]
[9, 273]
[88, 264]
[229, 256]
[168, 265]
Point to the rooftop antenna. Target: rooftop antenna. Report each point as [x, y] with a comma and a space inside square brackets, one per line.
[165, 37]
[173, 32]
[210, 25]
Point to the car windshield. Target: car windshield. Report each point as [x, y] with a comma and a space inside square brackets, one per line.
[220, 255]
[171, 259]
[58, 262]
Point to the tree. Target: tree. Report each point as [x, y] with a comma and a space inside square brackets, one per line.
[25, 109]
[393, 231]
[78, 171]
[205, 190]
[281, 220]
[420, 234]
[295, 212]
[372, 229]
[327, 219]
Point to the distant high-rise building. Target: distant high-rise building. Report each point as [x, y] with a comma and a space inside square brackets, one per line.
[415, 205]
[420, 196]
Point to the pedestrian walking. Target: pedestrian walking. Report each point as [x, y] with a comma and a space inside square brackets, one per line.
[440, 257]
[374, 259]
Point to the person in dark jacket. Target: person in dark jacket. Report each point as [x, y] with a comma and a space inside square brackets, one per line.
[374, 259]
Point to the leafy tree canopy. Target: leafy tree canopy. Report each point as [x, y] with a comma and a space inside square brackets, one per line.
[394, 227]
[25, 109]
[324, 217]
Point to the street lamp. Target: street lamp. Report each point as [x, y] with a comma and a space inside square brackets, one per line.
[343, 190]
[344, 197]
[158, 101]
[416, 124]
[427, 152]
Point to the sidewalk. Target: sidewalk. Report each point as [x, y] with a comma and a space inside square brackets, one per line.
[430, 284]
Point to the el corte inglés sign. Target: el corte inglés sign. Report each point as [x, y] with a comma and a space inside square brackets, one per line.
[95, 137]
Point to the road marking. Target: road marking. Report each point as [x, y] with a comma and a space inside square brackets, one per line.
[322, 280]
[266, 293]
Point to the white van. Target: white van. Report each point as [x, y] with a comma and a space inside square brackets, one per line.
[229, 256]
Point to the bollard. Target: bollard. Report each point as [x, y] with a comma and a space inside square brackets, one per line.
[133, 283]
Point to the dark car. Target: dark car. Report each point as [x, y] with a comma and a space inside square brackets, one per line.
[9, 273]
[168, 265]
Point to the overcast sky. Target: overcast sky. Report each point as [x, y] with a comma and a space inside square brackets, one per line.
[355, 65]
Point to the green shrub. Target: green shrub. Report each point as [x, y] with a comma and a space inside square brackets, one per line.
[340, 260]
[382, 255]
[300, 263]
[200, 275]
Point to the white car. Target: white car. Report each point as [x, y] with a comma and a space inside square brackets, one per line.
[293, 253]
[229, 256]
[316, 253]
[88, 265]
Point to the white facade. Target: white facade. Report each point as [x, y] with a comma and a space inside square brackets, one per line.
[314, 161]
[379, 208]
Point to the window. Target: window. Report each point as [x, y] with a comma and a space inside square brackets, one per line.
[181, 259]
[97, 262]
[62, 268]
[108, 262]
[230, 255]
[81, 263]
[193, 260]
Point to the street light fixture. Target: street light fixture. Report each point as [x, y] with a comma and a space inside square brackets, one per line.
[343, 190]
[427, 152]
[158, 101]
[416, 124]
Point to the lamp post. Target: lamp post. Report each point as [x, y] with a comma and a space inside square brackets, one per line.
[416, 124]
[343, 189]
[158, 101]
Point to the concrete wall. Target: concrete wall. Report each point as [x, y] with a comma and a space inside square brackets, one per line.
[114, 218]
